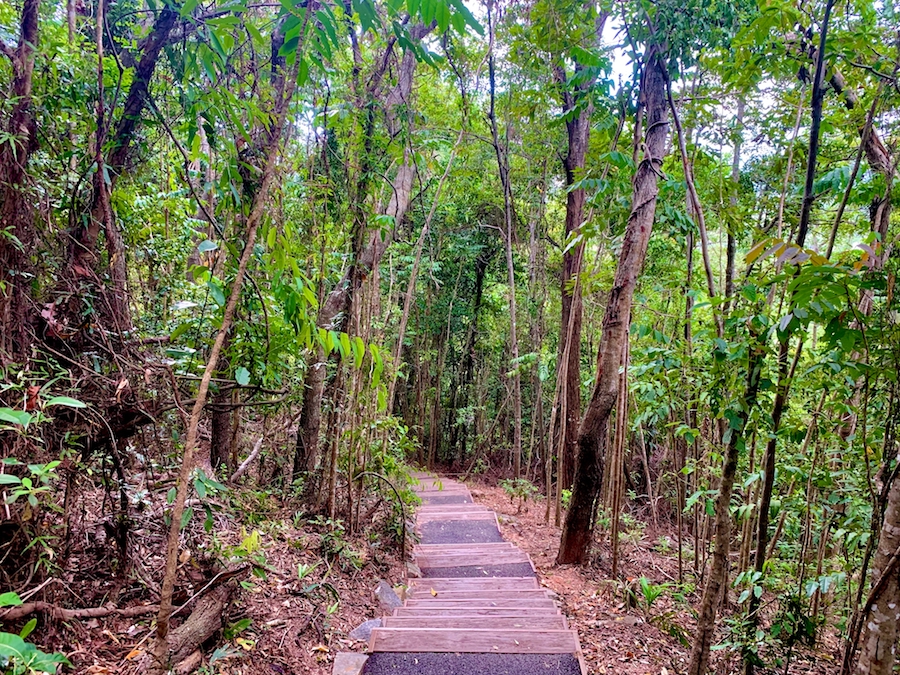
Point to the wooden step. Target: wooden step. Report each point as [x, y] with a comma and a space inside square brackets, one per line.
[456, 603]
[472, 558]
[440, 487]
[456, 515]
[474, 583]
[443, 610]
[552, 621]
[500, 641]
[465, 546]
[498, 597]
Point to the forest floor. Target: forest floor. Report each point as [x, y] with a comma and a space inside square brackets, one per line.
[317, 586]
[619, 633]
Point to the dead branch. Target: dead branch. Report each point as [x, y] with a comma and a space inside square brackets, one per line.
[63, 614]
[247, 462]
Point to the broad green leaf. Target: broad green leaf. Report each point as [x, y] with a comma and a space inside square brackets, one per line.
[242, 376]
[66, 401]
[19, 417]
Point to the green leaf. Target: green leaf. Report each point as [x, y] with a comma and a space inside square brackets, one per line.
[66, 401]
[7, 479]
[10, 599]
[186, 517]
[359, 351]
[345, 345]
[200, 487]
[27, 629]
[217, 292]
[19, 417]
[207, 245]
[242, 376]
[170, 496]
[188, 7]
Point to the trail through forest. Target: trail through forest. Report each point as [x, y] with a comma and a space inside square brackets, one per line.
[624, 269]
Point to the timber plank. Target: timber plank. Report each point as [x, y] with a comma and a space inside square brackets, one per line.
[457, 603]
[471, 558]
[456, 515]
[490, 595]
[475, 583]
[500, 641]
[552, 621]
[440, 610]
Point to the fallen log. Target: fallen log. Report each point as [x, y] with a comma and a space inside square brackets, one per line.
[206, 620]
[63, 614]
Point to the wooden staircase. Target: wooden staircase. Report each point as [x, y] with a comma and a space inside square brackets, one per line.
[471, 610]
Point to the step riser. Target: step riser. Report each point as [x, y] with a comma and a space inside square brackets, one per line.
[502, 641]
[477, 622]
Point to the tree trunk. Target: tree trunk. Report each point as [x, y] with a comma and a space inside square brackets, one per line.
[369, 246]
[715, 583]
[502, 152]
[16, 214]
[268, 149]
[731, 245]
[578, 530]
[882, 625]
[83, 255]
[569, 369]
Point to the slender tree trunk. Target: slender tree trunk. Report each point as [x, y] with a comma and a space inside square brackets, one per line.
[578, 530]
[370, 243]
[16, 213]
[785, 374]
[502, 152]
[715, 581]
[882, 624]
[731, 245]
[83, 255]
[569, 369]
[269, 143]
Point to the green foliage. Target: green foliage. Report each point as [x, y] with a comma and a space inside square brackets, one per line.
[519, 488]
[18, 657]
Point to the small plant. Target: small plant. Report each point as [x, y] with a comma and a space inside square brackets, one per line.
[334, 545]
[30, 487]
[518, 488]
[651, 591]
[18, 657]
[304, 570]
[644, 593]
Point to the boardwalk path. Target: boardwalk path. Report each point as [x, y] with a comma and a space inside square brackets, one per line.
[477, 609]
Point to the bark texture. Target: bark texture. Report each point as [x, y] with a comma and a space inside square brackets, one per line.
[712, 592]
[17, 233]
[578, 131]
[882, 626]
[578, 529]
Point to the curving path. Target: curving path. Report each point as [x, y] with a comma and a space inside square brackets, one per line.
[477, 608]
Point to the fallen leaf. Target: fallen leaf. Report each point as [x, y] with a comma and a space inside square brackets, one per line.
[433, 593]
[133, 654]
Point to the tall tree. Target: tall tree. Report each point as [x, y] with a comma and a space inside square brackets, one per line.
[577, 534]
[17, 235]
